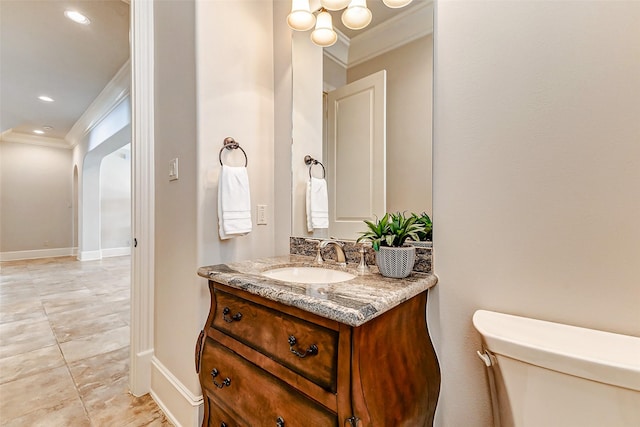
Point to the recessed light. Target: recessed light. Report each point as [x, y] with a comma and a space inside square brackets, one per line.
[45, 98]
[39, 132]
[76, 16]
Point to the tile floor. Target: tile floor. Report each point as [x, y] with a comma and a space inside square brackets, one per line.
[64, 345]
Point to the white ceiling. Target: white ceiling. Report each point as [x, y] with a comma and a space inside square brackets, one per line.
[44, 53]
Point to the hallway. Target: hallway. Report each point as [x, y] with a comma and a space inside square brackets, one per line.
[64, 345]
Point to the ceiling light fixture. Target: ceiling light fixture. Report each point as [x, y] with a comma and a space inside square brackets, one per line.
[394, 4]
[76, 16]
[39, 132]
[356, 16]
[45, 98]
[335, 4]
[324, 35]
[301, 18]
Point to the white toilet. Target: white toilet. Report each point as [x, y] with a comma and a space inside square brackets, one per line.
[545, 374]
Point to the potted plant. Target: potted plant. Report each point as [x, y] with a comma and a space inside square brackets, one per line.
[388, 236]
[425, 234]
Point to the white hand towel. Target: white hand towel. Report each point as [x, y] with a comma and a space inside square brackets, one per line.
[317, 204]
[234, 202]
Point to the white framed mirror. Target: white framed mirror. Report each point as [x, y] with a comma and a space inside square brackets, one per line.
[399, 44]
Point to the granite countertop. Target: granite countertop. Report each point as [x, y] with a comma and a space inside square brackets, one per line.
[352, 302]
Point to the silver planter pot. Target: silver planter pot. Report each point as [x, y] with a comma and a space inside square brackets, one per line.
[396, 262]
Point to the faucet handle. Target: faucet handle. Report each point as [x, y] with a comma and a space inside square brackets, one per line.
[319, 259]
[362, 267]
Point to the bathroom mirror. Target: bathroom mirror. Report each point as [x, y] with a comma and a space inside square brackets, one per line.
[400, 42]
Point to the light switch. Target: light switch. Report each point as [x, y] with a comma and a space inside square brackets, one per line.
[173, 169]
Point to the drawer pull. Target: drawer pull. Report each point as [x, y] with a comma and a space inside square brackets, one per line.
[353, 421]
[311, 351]
[236, 317]
[225, 382]
[223, 424]
[279, 422]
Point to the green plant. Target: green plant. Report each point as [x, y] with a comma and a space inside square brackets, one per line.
[427, 226]
[391, 230]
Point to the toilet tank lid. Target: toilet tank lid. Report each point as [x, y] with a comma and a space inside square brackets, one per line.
[588, 353]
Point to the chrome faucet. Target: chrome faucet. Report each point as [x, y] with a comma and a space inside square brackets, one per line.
[340, 257]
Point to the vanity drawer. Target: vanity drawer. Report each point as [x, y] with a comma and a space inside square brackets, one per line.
[217, 417]
[256, 397]
[304, 347]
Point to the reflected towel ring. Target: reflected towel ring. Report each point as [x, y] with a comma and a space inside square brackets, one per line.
[231, 144]
[310, 161]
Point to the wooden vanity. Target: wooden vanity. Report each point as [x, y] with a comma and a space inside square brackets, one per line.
[275, 354]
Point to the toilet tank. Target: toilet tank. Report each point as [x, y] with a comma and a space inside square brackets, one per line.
[549, 374]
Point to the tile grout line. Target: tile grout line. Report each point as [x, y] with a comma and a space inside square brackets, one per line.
[66, 364]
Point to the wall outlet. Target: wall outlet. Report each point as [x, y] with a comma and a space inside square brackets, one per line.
[173, 169]
[261, 215]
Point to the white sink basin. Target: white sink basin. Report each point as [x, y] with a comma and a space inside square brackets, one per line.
[308, 275]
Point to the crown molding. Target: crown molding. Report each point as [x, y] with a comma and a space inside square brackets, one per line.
[112, 94]
[24, 138]
[339, 51]
[403, 28]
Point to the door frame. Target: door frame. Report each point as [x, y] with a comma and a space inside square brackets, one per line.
[143, 197]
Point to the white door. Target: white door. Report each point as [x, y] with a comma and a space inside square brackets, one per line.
[356, 166]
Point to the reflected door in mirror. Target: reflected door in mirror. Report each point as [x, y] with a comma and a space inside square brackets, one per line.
[356, 139]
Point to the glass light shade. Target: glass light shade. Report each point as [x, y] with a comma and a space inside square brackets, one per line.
[394, 4]
[357, 16]
[324, 35]
[300, 18]
[334, 4]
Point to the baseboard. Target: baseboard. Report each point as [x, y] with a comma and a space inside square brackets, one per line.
[51, 253]
[89, 255]
[140, 373]
[37, 253]
[181, 407]
[110, 252]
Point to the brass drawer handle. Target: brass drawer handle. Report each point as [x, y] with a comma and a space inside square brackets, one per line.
[311, 351]
[279, 422]
[225, 382]
[236, 317]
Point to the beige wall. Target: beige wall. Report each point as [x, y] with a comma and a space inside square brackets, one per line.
[212, 93]
[36, 199]
[177, 293]
[536, 176]
[283, 125]
[115, 199]
[111, 133]
[307, 122]
[235, 98]
[334, 75]
[409, 94]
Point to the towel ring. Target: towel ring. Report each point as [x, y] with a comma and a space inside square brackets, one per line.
[310, 161]
[231, 144]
